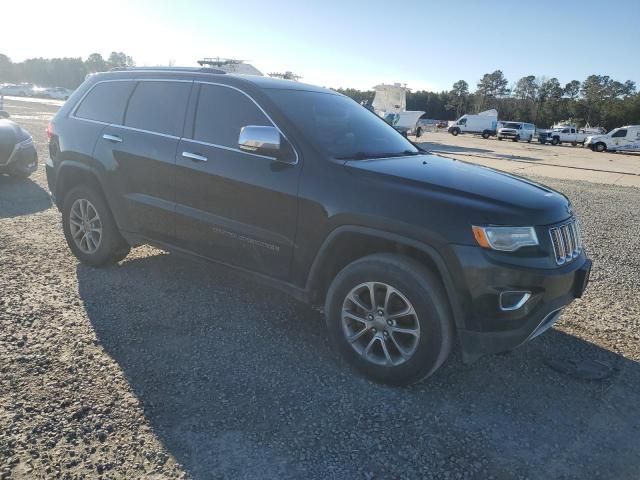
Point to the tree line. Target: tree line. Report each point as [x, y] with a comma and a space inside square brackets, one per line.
[66, 72]
[598, 100]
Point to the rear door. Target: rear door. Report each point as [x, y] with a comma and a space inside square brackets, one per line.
[141, 152]
[233, 206]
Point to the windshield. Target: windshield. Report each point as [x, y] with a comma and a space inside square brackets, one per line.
[512, 125]
[339, 127]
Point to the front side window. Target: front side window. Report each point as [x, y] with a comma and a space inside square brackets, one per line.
[622, 132]
[462, 121]
[339, 127]
[106, 102]
[158, 106]
[221, 114]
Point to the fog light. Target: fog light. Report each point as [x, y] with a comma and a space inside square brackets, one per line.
[513, 300]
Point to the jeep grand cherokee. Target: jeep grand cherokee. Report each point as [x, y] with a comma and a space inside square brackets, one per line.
[406, 250]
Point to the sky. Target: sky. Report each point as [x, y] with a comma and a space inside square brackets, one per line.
[359, 44]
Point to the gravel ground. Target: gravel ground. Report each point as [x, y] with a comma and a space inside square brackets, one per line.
[160, 367]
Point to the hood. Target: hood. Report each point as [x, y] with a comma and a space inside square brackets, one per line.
[595, 138]
[491, 196]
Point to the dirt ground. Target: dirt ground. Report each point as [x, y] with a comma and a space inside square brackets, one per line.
[160, 367]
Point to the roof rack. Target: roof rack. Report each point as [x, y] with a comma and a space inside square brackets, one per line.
[168, 69]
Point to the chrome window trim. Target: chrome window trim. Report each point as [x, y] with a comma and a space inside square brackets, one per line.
[231, 149]
[201, 82]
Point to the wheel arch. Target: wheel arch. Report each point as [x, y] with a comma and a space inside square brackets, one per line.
[72, 173]
[348, 243]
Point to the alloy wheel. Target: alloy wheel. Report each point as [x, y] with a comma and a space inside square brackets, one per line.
[380, 324]
[85, 226]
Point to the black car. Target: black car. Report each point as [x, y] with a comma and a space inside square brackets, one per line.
[407, 251]
[18, 155]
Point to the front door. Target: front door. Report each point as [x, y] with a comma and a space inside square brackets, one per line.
[233, 206]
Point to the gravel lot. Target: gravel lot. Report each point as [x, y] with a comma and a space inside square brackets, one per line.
[160, 367]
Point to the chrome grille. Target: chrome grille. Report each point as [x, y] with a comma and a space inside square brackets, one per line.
[566, 241]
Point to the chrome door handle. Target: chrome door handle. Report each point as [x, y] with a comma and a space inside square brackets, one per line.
[112, 138]
[194, 156]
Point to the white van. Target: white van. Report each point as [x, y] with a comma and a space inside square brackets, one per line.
[617, 140]
[484, 123]
[517, 131]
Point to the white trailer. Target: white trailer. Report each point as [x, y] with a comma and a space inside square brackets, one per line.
[484, 123]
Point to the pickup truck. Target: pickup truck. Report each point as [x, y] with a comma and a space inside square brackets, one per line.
[558, 135]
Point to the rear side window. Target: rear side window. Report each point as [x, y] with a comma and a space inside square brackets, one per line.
[158, 107]
[106, 102]
[221, 114]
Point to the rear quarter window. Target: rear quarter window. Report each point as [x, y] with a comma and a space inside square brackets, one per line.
[158, 106]
[106, 102]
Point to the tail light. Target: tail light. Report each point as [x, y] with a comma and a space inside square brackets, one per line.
[49, 131]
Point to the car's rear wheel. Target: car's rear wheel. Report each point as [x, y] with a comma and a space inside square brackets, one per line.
[419, 132]
[389, 318]
[90, 230]
[485, 134]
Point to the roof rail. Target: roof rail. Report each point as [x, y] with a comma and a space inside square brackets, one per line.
[168, 69]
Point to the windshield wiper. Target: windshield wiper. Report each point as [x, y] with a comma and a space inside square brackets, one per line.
[368, 155]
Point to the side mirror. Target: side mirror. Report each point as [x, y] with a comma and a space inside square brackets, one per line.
[260, 140]
[4, 114]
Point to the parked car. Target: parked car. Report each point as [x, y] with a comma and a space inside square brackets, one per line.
[517, 131]
[617, 140]
[57, 93]
[18, 156]
[484, 123]
[301, 186]
[22, 90]
[566, 134]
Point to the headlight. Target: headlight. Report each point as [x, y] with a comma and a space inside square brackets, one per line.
[506, 239]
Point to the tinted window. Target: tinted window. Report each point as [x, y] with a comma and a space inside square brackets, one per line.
[462, 121]
[158, 107]
[222, 112]
[338, 126]
[106, 102]
[620, 133]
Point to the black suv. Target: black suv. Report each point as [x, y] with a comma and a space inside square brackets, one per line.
[407, 251]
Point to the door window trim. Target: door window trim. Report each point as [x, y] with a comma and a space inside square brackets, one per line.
[199, 82]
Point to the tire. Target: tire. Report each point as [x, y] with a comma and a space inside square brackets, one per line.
[419, 132]
[555, 141]
[500, 139]
[542, 142]
[516, 138]
[530, 138]
[600, 147]
[110, 247]
[573, 144]
[485, 134]
[455, 132]
[422, 290]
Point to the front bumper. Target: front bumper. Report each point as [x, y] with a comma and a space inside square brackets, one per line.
[480, 279]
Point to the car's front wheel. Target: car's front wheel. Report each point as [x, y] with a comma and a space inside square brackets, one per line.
[389, 317]
[90, 230]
